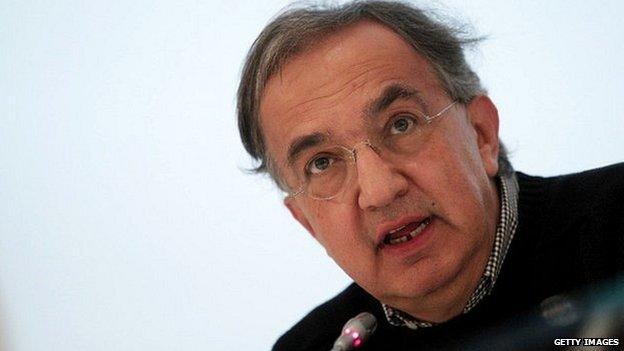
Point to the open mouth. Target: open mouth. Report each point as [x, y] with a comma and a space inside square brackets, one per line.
[405, 233]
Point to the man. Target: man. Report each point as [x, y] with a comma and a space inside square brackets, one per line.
[369, 118]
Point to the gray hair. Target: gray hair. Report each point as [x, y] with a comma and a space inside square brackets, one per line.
[296, 29]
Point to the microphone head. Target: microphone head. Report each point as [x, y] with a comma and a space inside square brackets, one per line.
[364, 323]
[356, 331]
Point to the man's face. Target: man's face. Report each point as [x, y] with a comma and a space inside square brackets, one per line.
[445, 188]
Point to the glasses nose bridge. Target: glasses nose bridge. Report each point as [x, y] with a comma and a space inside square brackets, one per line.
[366, 143]
[353, 155]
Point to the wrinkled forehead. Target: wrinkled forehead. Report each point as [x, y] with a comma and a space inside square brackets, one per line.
[326, 88]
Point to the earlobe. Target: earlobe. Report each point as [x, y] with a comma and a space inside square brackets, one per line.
[298, 214]
[484, 119]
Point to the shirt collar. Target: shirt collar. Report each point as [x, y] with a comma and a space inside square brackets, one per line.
[505, 230]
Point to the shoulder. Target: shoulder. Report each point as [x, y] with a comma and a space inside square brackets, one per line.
[319, 328]
[599, 194]
[603, 183]
[600, 187]
[578, 222]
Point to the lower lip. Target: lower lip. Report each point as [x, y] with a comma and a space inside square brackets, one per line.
[414, 245]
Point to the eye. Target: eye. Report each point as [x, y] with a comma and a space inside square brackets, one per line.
[401, 124]
[319, 164]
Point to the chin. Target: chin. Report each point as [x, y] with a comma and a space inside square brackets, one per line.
[433, 280]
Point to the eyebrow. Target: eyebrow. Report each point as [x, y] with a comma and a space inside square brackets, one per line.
[391, 94]
[302, 143]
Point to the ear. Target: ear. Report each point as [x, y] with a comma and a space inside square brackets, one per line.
[298, 214]
[484, 119]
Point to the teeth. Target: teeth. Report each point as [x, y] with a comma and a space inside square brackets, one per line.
[409, 236]
[396, 230]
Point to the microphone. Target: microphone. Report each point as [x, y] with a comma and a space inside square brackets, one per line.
[355, 332]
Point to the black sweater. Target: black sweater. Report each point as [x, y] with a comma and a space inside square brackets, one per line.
[570, 235]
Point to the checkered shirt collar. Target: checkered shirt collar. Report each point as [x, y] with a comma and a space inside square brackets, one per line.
[507, 224]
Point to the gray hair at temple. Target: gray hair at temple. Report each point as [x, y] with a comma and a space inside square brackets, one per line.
[298, 28]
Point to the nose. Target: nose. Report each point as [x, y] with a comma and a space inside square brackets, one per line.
[379, 182]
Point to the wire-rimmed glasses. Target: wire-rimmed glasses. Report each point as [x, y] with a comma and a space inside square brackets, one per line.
[324, 173]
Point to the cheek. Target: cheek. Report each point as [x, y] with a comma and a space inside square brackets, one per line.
[452, 180]
[335, 226]
[340, 232]
[459, 155]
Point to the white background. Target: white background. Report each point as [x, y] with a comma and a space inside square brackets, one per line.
[126, 219]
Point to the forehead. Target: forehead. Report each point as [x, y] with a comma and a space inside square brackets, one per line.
[326, 88]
